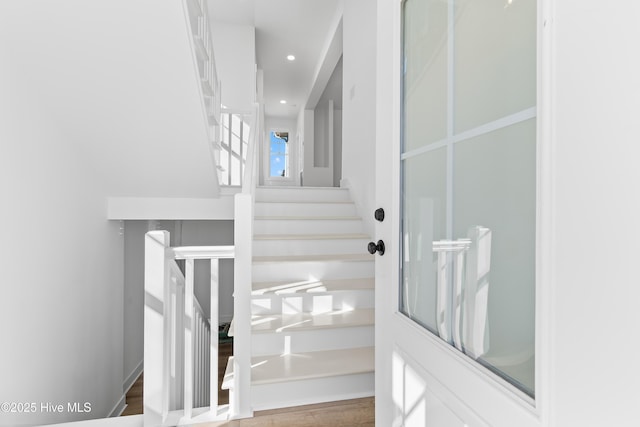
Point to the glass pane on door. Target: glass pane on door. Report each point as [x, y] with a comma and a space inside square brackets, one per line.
[495, 60]
[424, 220]
[495, 186]
[469, 178]
[425, 73]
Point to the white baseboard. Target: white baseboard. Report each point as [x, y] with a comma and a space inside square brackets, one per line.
[129, 421]
[133, 376]
[120, 406]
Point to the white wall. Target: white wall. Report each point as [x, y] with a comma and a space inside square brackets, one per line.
[133, 298]
[594, 287]
[86, 113]
[312, 176]
[323, 136]
[125, 96]
[337, 147]
[235, 51]
[61, 315]
[332, 92]
[359, 103]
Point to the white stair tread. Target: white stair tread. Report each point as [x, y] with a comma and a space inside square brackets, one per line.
[299, 188]
[303, 258]
[311, 286]
[306, 366]
[324, 236]
[307, 218]
[278, 323]
[304, 202]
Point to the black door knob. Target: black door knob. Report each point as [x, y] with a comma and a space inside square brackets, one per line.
[376, 247]
[379, 214]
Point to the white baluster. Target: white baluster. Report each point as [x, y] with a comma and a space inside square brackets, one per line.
[196, 392]
[207, 357]
[442, 297]
[213, 349]
[458, 275]
[188, 339]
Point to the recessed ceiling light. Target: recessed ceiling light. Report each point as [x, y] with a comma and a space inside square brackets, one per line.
[291, 57]
[283, 101]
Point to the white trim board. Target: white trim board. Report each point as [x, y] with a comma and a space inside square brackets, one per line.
[133, 376]
[168, 208]
[120, 407]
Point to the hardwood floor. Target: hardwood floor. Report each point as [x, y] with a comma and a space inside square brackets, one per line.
[134, 398]
[346, 413]
[224, 352]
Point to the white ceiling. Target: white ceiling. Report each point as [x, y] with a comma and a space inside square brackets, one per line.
[283, 27]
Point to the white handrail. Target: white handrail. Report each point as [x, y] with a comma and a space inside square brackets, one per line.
[202, 252]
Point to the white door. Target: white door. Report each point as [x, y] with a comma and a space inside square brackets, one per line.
[456, 174]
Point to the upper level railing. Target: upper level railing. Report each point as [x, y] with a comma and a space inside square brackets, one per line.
[202, 43]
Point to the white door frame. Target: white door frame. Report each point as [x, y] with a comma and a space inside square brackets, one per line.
[475, 395]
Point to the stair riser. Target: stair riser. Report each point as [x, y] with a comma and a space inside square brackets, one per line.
[310, 270]
[306, 392]
[316, 226]
[309, 247]
[305, 341]
[312, 302]
[305, 209]
[305, 194]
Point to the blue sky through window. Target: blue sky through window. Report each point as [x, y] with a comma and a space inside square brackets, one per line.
[278, 154]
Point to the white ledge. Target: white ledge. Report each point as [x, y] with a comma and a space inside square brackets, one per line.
[170, 208]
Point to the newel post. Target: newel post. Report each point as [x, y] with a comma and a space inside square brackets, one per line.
[156, 317]
[239, 396]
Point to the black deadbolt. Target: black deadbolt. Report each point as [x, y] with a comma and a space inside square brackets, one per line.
[376, 247]
[379, 214]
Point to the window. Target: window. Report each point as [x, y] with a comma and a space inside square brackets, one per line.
[278, 154]
[233, 148]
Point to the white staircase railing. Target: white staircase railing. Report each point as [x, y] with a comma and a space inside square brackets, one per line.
[210, 88]
[202, 357]
[180, 345]
[201, 345]
[240, 392]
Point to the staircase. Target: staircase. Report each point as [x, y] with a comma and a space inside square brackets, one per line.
[312, 331]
